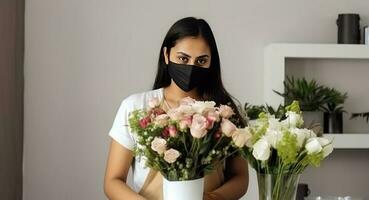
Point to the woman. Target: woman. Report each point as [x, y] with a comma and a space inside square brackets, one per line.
[188, 66]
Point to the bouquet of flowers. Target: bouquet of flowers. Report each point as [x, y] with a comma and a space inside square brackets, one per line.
[186, 142]
[280, 150]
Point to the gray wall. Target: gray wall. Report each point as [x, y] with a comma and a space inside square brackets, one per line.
[11, 98]
[84, 56]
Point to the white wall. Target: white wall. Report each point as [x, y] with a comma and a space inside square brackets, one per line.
[83, 57]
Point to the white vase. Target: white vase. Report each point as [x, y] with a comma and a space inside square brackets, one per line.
[183, 190]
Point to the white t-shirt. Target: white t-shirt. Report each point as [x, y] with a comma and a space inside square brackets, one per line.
[121, 133]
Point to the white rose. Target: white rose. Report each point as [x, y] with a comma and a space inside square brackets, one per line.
[187, 101]
[261, 150]
[171, 155]
[241, 136]
[273, 137]
[327, 146]
[185, 110]
[159, 145]
[154, 102]
[302, 134]
[323, 141]
[293, 119]
[180, 112]
[328, 149]
[274, 123]
[313, 146]
[201, 107]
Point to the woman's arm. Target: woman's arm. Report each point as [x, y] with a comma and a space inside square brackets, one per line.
[118, 164]
[237, 181]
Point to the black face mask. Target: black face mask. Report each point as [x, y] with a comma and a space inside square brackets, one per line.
[187, 77]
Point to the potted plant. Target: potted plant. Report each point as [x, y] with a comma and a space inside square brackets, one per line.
[311, 96]
[363, 115]
[253, 111]
[333, 111]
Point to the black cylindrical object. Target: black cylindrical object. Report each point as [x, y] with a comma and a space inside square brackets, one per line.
[302, 191]
[348, 29]
[333, 122]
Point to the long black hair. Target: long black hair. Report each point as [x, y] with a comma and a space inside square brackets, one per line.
[212, 89]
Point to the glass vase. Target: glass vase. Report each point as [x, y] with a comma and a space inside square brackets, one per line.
[277, 186]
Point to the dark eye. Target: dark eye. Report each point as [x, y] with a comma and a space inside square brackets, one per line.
[202, 61]
[183, 59]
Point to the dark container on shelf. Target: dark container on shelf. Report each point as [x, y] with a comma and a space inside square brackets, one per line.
[302, 191]
[333, 122]
[348, 29]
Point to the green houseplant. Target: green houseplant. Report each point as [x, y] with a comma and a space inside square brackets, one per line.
[364, 115]
[333, 111]
[253, 111]
[311, 95]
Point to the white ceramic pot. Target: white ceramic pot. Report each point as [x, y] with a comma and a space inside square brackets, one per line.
[183, 190]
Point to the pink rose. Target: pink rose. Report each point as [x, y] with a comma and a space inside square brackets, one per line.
[210, 123]
[154, 102]
[225, 111]
[165, 132]
[198, 126]
[218, 134]
[159, 145]
[187, 101]
[144, 122]
[175, 114]
[227, 127]
[172, 131]
[157, 111]
[212, 116]
[171, 155]
[161, 120]
[185, 122]
[241, 136]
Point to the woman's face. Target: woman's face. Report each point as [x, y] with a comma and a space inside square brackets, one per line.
[190, 51]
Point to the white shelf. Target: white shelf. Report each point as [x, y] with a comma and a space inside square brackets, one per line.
[336, 51]
[276, 54]
[349, 140]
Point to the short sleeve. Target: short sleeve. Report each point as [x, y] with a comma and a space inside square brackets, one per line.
[120, 130]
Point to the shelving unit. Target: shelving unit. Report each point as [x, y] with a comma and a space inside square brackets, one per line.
[274, 73]
[349, 140]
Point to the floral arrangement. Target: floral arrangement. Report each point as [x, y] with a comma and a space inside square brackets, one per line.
[186, 142]
[280, 150]
[282, 145]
